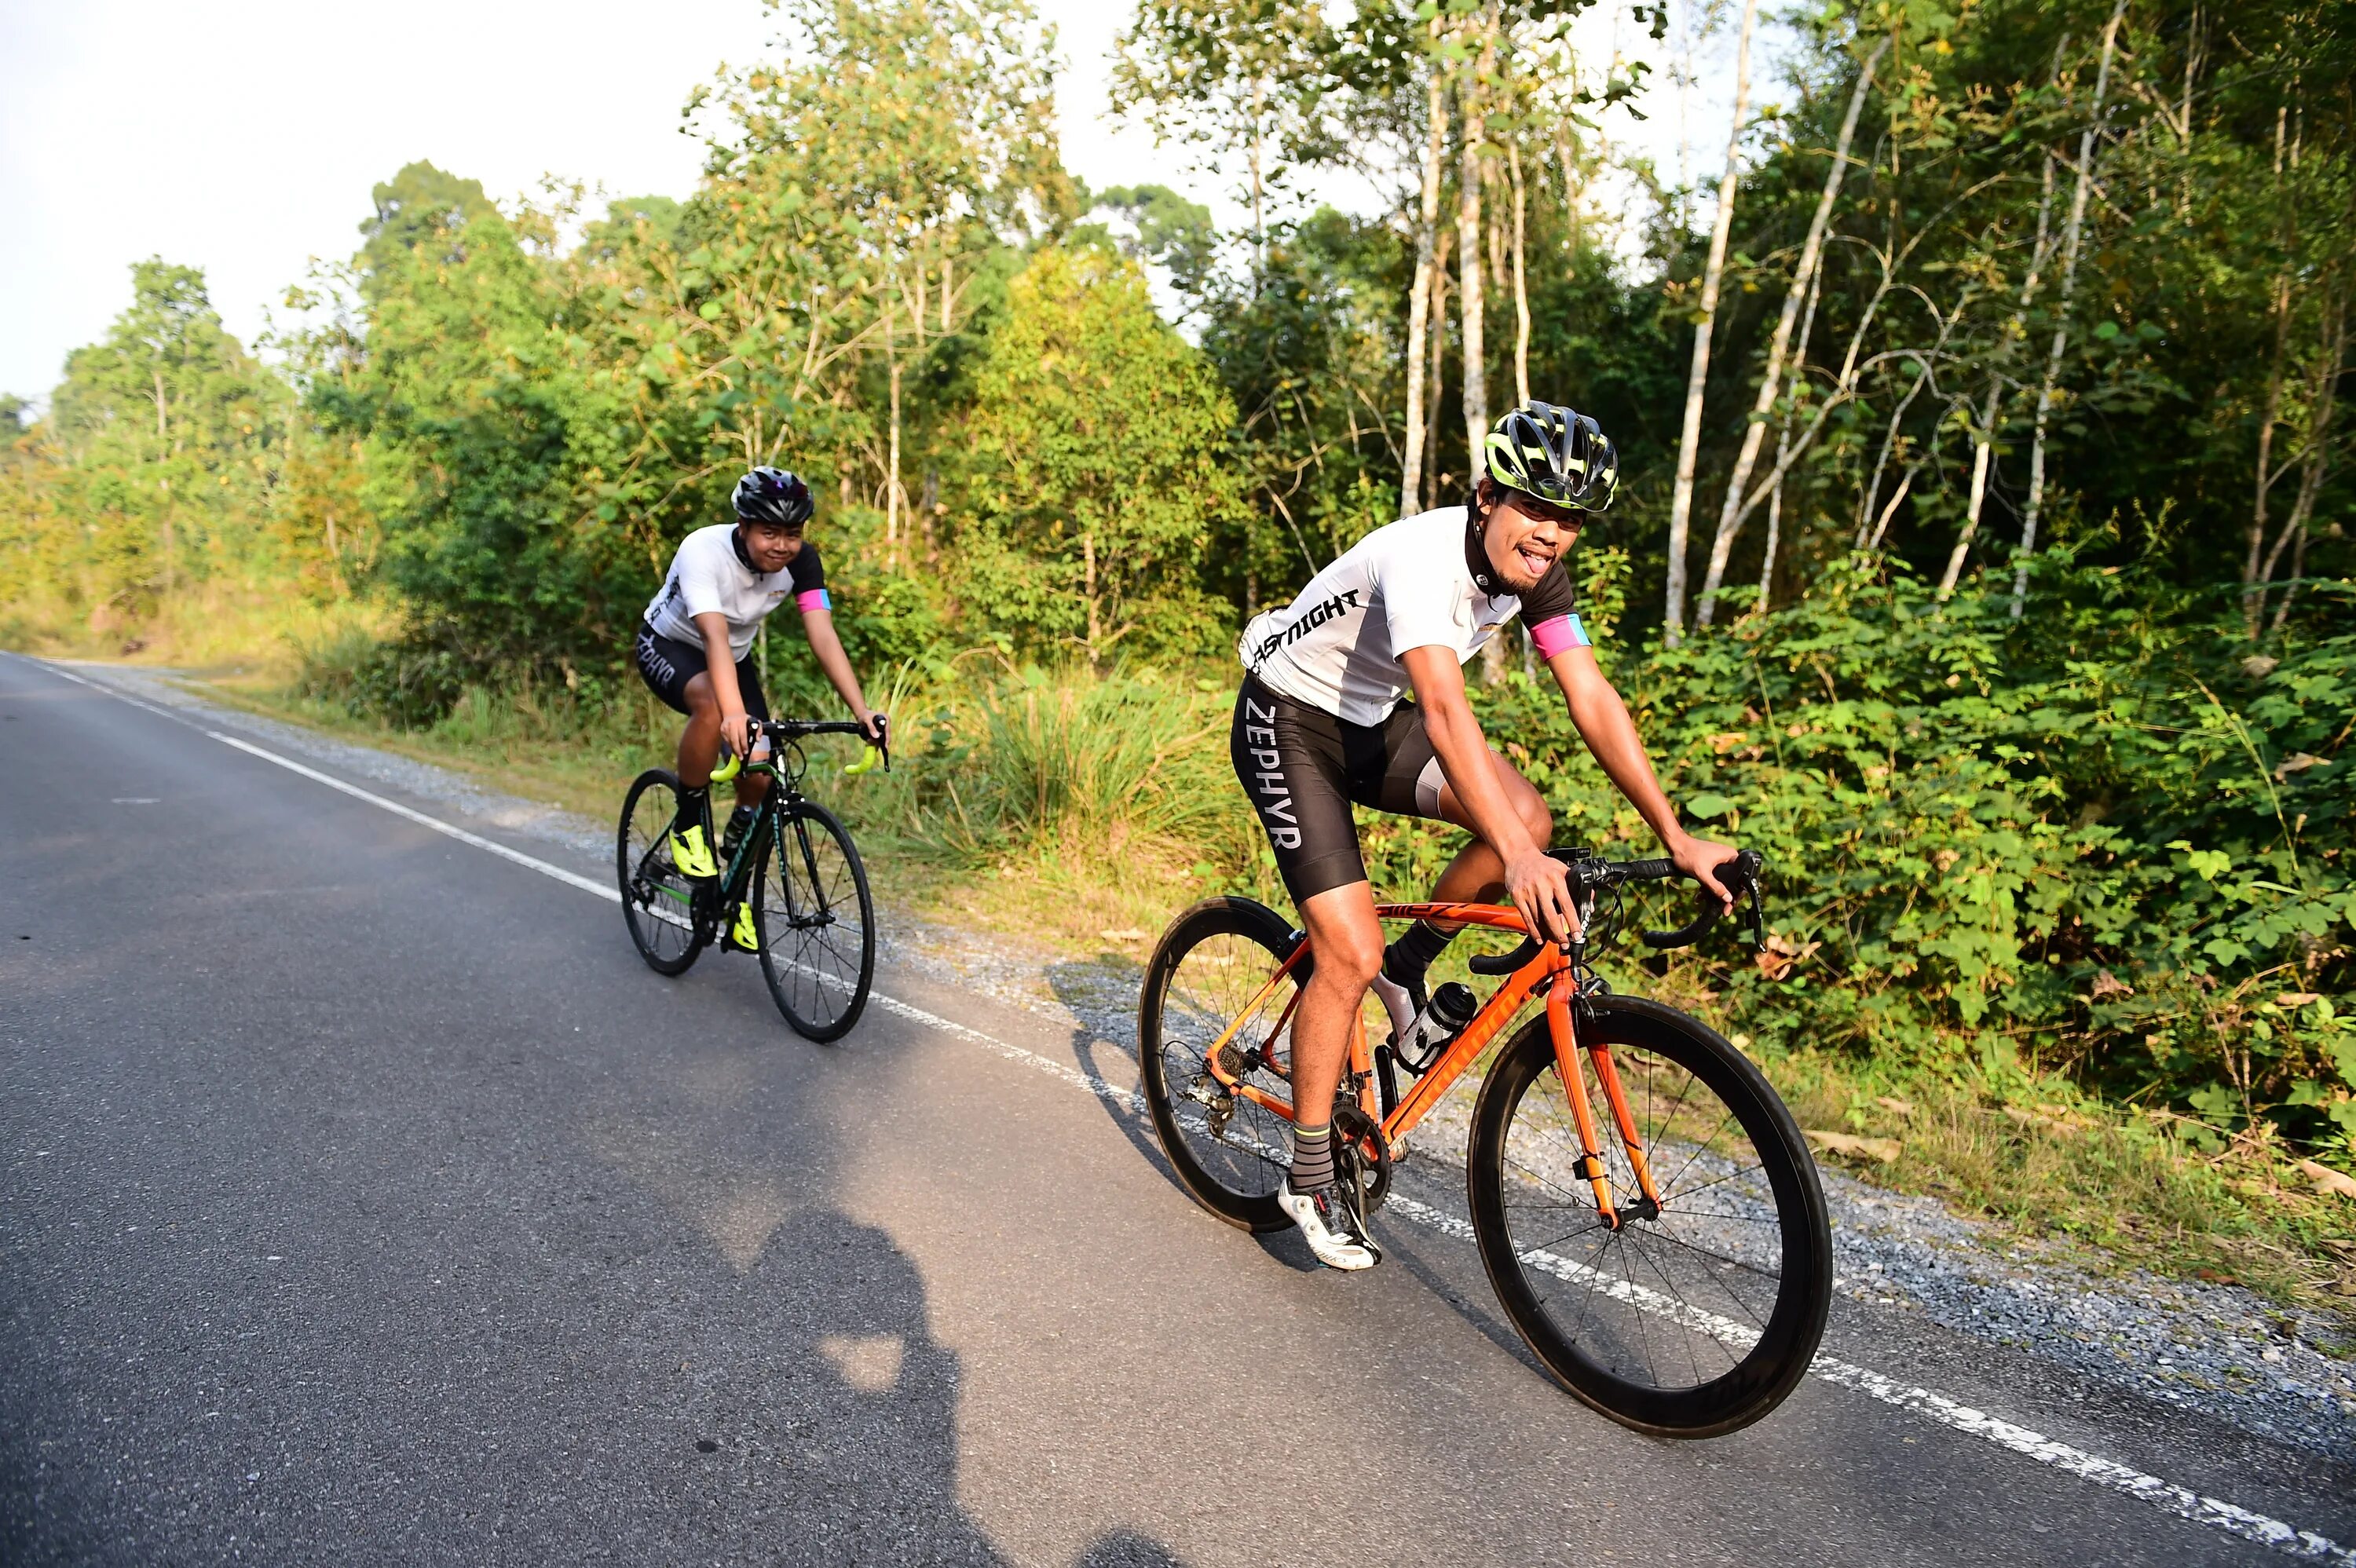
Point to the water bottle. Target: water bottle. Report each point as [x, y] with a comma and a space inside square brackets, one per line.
[1443, 1018]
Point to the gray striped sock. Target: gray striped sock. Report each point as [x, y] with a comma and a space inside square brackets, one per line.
[1313, 1158]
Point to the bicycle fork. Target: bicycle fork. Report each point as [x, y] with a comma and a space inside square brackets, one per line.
[1561, 1027]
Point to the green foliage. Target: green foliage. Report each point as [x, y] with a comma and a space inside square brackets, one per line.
[420, 205]
[2087, 841]
[1096, 465]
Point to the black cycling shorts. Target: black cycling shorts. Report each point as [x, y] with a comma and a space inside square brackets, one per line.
[667, 664]
[1303, 768]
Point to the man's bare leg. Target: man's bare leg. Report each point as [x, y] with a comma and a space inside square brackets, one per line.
[1347, 941]
[1477, 875]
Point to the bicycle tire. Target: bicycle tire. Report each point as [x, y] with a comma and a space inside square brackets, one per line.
[667, 935]
[1238, 944]
[1704, 1287]
[808, 878]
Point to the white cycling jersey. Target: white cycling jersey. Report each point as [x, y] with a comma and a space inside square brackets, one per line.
[710, 571]
[1422, 582]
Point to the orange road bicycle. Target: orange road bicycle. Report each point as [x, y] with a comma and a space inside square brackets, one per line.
[1646, 1209]
[796, 866]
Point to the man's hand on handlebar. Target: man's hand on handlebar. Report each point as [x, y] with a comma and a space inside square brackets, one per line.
[871, 725]
[1540, 886]
[736, 733]
[1701, 859]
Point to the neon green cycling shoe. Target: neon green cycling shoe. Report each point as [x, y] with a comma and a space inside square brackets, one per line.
[691, 851]
[743, 937]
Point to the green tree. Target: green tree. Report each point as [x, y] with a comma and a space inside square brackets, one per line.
[1097, 470]
[418, 206]
[167, 428]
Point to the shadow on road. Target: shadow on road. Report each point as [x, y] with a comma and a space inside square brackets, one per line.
[427, 1226]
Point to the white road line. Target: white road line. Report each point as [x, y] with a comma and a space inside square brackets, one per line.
[586, 884]
[2181, 1502]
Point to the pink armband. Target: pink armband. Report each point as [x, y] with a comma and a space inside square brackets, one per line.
[1559, 634]
[813, 599]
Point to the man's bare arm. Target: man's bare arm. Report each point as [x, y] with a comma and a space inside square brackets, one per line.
[719, 663]
[818, 625]
[1538, 885]
[1603, 723]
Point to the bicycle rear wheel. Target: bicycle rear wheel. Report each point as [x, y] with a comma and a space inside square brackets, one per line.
[657, 903]
[817, 923]
[1688, 1323]
[1229, 1152]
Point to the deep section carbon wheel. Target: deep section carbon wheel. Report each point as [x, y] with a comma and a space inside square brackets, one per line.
[656, 900]
[1229, 1151]
[817, 921]
[1685, 1322]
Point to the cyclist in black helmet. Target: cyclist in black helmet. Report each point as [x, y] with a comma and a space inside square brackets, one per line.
[695, 645]
[1320, 725]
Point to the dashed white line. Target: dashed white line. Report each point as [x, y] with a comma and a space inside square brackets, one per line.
[2215, 1513]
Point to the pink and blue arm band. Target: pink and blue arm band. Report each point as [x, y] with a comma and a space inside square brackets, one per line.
[1559, 634]
[811, 598]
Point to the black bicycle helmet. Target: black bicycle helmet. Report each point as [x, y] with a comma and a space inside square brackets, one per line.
[772, 496]
[1556, 453]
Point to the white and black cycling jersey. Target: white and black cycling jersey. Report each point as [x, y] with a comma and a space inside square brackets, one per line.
[710, 571]
[1422, 582]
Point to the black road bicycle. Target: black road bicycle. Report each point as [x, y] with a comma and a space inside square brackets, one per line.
[797, 868]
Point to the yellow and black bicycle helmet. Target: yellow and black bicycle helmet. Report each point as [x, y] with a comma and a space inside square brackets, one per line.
[1557, 454]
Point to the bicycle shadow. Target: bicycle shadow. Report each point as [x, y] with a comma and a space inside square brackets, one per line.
[1102, 993]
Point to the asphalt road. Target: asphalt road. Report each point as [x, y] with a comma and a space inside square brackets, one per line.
[365, 1200]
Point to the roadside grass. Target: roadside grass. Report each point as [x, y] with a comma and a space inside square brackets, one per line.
[2099, 1185]
[1079, 812]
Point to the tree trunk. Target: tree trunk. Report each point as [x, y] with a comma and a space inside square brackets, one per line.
[2076, 231]
[1470, 302]
[1984, 439]
[2266, 475]
[1438, 366]
[2316, 462]
[1697, 373]
[2250, 593]
[1521, 283]
[1088, 580]
[1564, 157]
[1418, 308]
[892, 475]
[1771, 384]
[1870, 537]
[1259, 232]
[1774, 531]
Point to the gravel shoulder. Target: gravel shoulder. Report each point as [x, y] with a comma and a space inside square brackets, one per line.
[2280, 1373]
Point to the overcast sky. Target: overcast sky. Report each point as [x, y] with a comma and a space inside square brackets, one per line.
[243, 136]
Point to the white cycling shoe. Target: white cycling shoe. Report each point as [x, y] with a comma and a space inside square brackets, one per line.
[1325, 1220]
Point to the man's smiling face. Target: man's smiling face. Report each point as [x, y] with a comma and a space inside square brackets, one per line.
[1525, 537]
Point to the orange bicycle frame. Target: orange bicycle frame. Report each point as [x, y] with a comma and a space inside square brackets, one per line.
[1550, 972]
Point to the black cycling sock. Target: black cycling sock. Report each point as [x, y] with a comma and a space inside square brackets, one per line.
[695, 807]
[1313, 1158]
[1413, 952]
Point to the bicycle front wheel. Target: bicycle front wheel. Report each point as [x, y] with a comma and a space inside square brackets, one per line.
[817, 923]
[1229, 1151]
[1690, 1322]
[657, 903]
